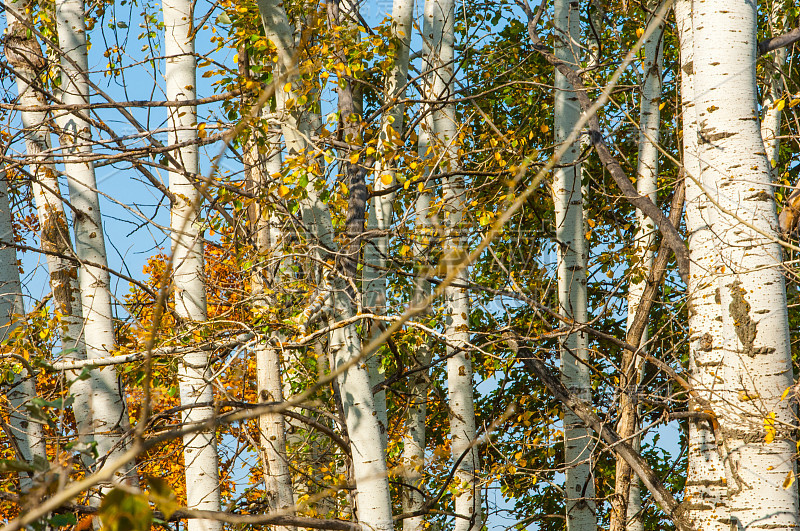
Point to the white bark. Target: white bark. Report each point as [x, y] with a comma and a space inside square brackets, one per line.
[369, 464]
[705, 478]
[200, 449]
[380, 215]
[50, 210]
[568, 200]
[272, 426]
[755, 366]
[109, 412]
[27, 434]
[645, 238]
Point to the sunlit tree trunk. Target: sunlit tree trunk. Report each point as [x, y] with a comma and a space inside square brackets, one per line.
[25, 56]
[194, 373]
[705, 477]
[369, 464]
[755, 366]
[380, 214]
[568, 200]
[266, 272]
[645, 239]
[439, 32]
[27, 433]
[109, 411]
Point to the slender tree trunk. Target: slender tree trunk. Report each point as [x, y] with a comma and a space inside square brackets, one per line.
[380, 215]
[27, 434]
[439, 31]
[25, 56]
[705, 477]
[579, 481]
[196, 387]
[644, 255]
[374, 508]
[268, 239]
[756, 365]
[110, 415]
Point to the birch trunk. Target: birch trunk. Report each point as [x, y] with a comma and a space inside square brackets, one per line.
[756, 365]
[706, 492]
[374, 508]
[414, 437]
[272, 426]
[25, 56]
[196, 387]
[644, 255]
[568, 200]
[380, 215]
[27, 434]
[110, 415]
[439, 31]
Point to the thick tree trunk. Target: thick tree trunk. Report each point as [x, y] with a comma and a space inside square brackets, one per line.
[24, 55]
[374, 508]
[755, 363]
[109, 410]
[644, 256]
[200, 449]
[579, 481]
[27, 434]
[705, 477]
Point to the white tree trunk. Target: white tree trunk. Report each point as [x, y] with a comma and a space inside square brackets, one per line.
[50, 209]
[380, 215]
[27, 433]
[272, 426]
[568, 200]
[374, 508]
[705, 477]
[110, 415]
[196, 387]
[645, 239]
[756, 364]
[439, 31]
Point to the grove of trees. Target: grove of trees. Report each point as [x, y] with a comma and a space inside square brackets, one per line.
[365, 266]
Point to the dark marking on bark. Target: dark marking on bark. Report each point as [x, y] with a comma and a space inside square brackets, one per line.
[745, 327]
[761, 195]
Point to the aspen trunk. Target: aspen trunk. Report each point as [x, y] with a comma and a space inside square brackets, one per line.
[25, 56]
[27, 434]
[272, 426]
[568, 200]
[374, 508]
[200, 449]
[644, 255]
[109, 411]
[755, 364]
[775, 60]
[380, 215]
[705, 477]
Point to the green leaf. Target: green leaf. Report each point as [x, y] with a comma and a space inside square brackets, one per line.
[162, 496]
[11, 465]
[125, 511]
[63, 520]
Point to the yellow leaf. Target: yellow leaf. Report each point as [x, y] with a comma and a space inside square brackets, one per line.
[283, 190]
[287, 87]
[779, 106]
[789, 480]
[639, 33]
[544, 128]
[497, 156]
[354, 158]
[370, 150]
[786, 392]
[662, 105]
[794, 102]
[386, 179]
